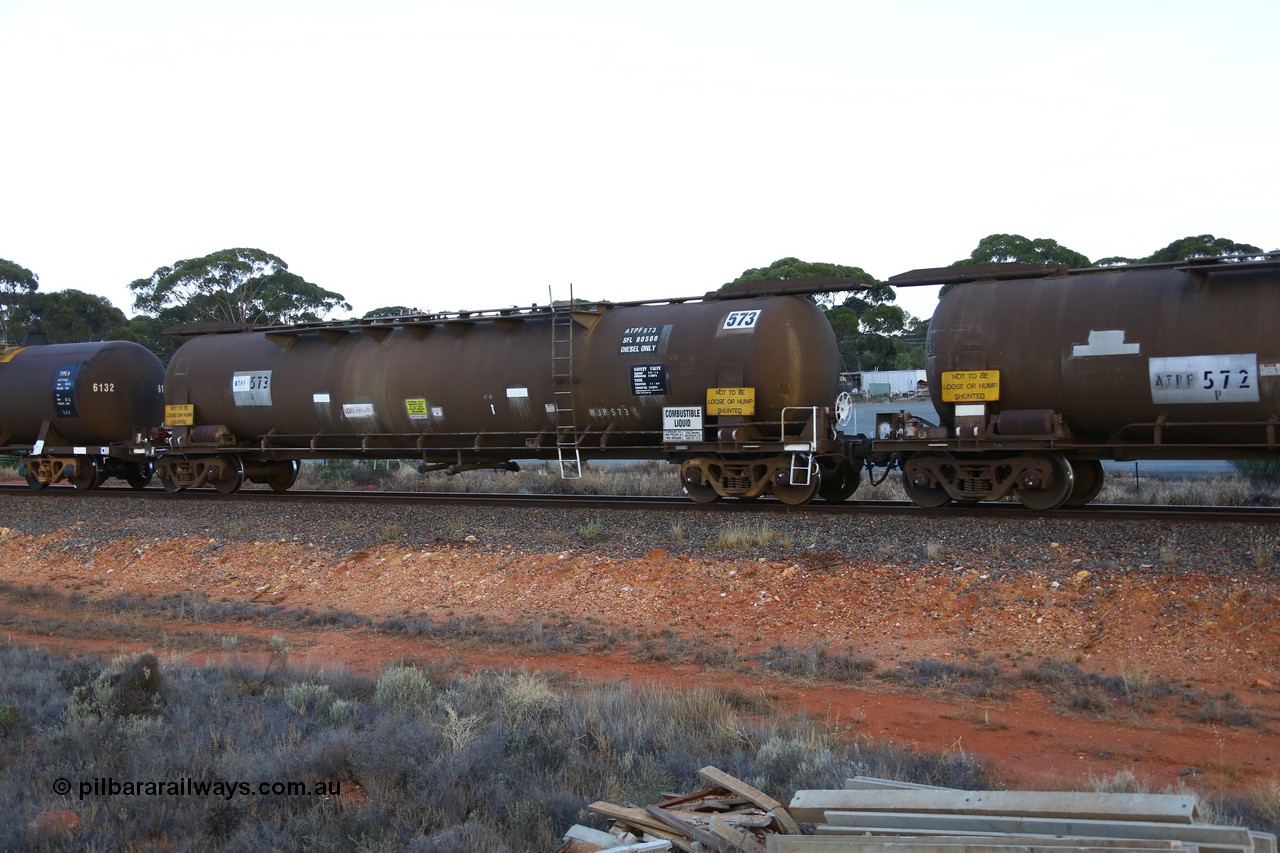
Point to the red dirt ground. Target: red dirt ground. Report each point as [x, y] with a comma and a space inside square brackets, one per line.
[1208, 633]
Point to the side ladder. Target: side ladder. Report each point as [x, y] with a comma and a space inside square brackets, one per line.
[562, 387]
[802, 467]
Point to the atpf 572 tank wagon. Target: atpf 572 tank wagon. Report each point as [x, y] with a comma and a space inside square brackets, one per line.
[1039, 375]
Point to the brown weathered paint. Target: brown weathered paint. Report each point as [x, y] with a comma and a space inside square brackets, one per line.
[128, 392]
[465, 367]
[1030, 328]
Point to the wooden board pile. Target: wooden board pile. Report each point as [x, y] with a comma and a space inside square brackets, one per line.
[882, 816]
[730, 816]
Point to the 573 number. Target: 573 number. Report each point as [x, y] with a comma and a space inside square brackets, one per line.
[741, 319]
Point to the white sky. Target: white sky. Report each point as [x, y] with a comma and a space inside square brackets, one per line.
[469, 154]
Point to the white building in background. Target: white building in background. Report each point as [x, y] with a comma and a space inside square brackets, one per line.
[886, 383]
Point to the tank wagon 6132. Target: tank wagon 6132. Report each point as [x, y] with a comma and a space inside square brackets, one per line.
[80, 412]
[736, 388]
[1038, 375]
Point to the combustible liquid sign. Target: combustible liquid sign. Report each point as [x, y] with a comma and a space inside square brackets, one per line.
[731, 401]
[681, 424]
[970, 386]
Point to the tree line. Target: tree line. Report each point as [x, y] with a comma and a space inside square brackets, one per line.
[249, 287]
[875, 334]
[243, 287]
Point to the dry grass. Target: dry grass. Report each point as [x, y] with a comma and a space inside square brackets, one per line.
[534, 478]
[745, 535]
[662, 479]
[487, 762]
[1212, 490]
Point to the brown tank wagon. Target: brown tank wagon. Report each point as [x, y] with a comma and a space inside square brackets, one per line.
[1037, 375]
[738, 389]
[78, 411]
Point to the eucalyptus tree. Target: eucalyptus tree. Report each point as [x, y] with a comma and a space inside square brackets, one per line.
[16, 281]
[243, 287]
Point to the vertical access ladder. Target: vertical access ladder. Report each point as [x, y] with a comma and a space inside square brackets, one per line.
[562, 387]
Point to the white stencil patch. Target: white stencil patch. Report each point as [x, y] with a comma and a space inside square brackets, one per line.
[251, 387]
[1205, 379]
[1110, 342]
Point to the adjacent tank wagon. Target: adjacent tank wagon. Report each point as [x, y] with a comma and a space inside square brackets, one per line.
[738, 390]
[79, 411]
[1038, 375]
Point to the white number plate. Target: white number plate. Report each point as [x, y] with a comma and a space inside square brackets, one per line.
[1205, 379]
[741, 319]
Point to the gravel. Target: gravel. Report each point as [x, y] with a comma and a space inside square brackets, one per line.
[1004, 546]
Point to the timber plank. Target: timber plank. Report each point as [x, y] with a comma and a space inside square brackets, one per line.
[809, 806]
[584, 839]
[960, 824]
[707, 839]
[874, 783]
[641, 821]
[786, 821]
[578, 832]
[710, 798]
[739, 839]
[999, 838]
[832, 844]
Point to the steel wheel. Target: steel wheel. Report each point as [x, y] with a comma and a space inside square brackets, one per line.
[167, 475]
[692, 480]
[703, 493]
[282, 476]
[1089, 478]
[86, 474]
[920, 485]
[35, 483]
[139, 476]
[1055, 490]
[840, 481]
[231, 482]
[796, 495]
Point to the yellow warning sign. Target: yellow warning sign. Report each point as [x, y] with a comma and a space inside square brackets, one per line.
[970, 386]
[180, 414]
[731, 401]
[416, 407]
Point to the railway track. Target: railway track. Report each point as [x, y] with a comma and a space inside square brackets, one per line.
[996, 510]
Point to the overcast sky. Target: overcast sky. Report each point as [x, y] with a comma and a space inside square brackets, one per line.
[471, 154]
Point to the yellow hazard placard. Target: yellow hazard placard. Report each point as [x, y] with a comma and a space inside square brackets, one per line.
[180, 414]
[970, 386]
[416, 407]
[731, 401]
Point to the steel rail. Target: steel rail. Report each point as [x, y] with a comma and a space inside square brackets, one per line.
[1006, 510]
